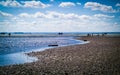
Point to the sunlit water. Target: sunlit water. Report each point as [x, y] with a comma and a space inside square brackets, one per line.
[13, 49]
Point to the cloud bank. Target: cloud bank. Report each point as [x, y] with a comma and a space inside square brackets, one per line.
[10, 3]
[98, 6]
[30, 4]
[54, 22]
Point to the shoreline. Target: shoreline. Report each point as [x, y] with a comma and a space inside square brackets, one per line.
[100, 56]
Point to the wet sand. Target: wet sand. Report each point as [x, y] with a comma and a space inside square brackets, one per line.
[99, 57]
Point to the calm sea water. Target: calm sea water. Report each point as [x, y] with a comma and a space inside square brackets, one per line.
[13, 49]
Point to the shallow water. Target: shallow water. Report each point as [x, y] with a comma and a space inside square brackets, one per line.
[13, 49]
[15, 58]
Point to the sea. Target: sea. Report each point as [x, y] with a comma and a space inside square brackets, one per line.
[13, 49]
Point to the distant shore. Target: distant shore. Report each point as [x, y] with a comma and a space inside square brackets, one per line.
[99, 57]
[55, 34]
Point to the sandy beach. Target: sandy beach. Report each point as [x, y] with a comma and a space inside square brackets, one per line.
[99, 57]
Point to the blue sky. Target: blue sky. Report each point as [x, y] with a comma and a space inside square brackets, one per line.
[60, 16]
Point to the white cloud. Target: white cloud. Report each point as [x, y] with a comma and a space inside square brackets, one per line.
[118, 4]
[78, 3]
[36, 15]
[57, 15]
[85, 17]
[31, 4]
[35, 4]
[100, 7]
[52, 14]
[24, 15]
[10, 3]
[39, 15]
[4, 14]
[103, 16]
[66, 4]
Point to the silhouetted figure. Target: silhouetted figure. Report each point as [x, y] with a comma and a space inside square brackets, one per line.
[88, 34]
[92, 34]
[98, 35]
[104, 34]
[9, 34]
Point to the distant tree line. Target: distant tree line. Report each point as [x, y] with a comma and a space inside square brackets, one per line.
[98, 34]
[4, 33]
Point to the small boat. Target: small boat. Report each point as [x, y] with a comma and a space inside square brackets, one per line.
[53, 45]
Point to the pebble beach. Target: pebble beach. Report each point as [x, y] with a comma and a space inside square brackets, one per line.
[101, 56]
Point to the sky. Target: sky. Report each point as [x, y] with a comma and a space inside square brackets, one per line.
[59, 15]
